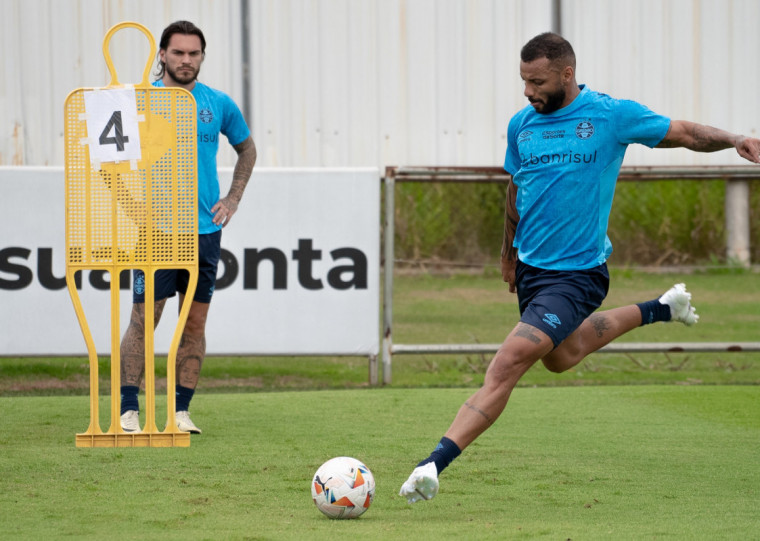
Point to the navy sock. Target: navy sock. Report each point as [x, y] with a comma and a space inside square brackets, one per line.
[184, 396]
[129, 398]
[654, 311]
[443, 454]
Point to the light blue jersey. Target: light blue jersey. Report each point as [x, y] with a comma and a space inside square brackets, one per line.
[565, 165]
[217, 113]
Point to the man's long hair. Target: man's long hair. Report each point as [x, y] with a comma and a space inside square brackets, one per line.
[178, 27]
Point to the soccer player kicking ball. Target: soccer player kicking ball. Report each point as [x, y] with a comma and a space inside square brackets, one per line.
[564, 153]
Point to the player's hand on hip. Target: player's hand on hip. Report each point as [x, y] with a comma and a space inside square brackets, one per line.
[508, 273]
[749, 148]
[224, 210]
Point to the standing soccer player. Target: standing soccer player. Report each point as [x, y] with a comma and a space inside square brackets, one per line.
[564, 152]
[181, 52]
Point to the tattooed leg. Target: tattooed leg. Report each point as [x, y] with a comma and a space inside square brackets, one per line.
[480, 412]
[522, 348]
[132, 350]
[192, 346]
[598, 330]
[189, 361]
[523, 330]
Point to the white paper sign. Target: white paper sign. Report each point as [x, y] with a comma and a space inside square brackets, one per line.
[113, 134]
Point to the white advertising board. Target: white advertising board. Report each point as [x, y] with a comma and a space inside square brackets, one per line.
[299, 272]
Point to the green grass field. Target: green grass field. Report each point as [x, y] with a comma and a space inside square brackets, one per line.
[637, 462]
[647, 446]
[472, 309]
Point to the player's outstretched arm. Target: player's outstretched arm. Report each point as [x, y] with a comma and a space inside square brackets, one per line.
[227, 206]
[701, 138]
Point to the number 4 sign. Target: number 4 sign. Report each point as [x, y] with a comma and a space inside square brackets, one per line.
[113, 134]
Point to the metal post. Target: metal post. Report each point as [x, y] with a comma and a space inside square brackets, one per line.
[557, 16]
[245, 46]
[372, 370]
[388, 234]
[737, 222]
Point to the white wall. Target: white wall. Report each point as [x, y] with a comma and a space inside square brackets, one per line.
[326, 303]
[688, 59]
[388, 82]
[51, 47]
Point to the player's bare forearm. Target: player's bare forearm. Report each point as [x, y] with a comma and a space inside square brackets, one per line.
[508, 251]
[511, 218]
[508, 267]
[701, 138]
[228, 205]
[243, 168]
[697, 137]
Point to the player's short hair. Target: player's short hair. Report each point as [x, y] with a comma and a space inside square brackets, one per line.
[178, 27]
[551, 46]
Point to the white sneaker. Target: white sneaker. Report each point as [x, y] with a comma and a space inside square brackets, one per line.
[422, 484]
[680, 306]
[130, 421]
[185, 424]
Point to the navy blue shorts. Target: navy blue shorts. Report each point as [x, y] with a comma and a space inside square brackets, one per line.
[170, 281]
[557, 302]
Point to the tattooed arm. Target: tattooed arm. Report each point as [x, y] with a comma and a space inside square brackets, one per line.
[227, 206]
[701, 138]
[509, 252]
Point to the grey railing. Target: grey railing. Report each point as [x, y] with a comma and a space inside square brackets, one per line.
[737, 248]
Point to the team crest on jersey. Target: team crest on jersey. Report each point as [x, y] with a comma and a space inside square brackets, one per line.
[205, 115]
[584, 129]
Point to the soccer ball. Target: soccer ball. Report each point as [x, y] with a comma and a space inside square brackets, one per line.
[343, 487]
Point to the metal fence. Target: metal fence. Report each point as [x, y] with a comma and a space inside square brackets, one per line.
[737, 227]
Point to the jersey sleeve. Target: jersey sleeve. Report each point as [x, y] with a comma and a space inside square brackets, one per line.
[512, 157]
[234, 126]
[636, 123]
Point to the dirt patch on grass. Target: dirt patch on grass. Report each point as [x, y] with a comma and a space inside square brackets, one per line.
[44, 385]
[80, 384]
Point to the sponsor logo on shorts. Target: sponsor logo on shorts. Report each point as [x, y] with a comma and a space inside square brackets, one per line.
[552, 320]
[140, 285]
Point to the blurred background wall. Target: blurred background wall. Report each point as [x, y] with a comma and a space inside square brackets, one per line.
[386, 82]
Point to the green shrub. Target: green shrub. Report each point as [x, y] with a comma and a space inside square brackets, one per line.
[652, 223]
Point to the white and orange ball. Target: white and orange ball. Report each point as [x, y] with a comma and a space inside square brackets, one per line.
[343, 487]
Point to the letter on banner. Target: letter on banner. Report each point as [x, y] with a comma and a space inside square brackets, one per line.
[112, 131]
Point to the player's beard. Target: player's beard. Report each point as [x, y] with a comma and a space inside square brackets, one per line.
[183, 77]
[553, 102]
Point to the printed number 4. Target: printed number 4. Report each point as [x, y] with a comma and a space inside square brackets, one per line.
[114, 123]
